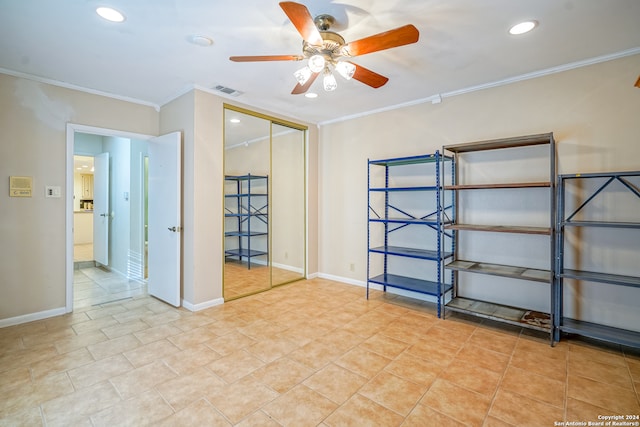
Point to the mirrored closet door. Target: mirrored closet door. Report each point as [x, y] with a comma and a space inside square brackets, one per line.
[264, 203]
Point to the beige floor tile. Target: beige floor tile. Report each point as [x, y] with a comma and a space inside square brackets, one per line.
[187, 323]
[76, 407]
[67, 345]
[534, 386]
[127, 328]
[613, 374]
[362, 412]
[315, 354]
[578, 410]
[26, 357]
[147, 353]
[193, 337]
[143, 409]
[186, 389]
[99, 371]
[500, 343]
[393, 392]
[31, 417]
[235, 366]
[341, 340]
[162, 318]
[584, 351]
[519, 410]
[105, 311]
[634, 369]
[199, 413]
[238, 400]
[414, 369]
[61, 363]
[496, 422]
[606, 396]
[230, 343]
[458, 403]
[363, 362]
[435, 352]
[324, 382]
[156, 333]
[113, 346]
[271, 348]
[141, 379]
[258, 419]
[300, 406]
[540, 363]
[283, 374]
[94, 325]
[33, 394]
[487, 359]
[191, 358]
[423, 416]
[14, 378]
[472, 377]
[384, 345]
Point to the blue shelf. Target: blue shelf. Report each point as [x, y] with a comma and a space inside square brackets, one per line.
[600, 332]
[431, 250]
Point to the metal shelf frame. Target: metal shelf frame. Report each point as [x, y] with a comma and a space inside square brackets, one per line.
[246, 206]
[490, 310]
[434, 220]
[566, 219]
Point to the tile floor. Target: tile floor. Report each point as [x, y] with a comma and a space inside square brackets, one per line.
[94, 286]
[313, 353]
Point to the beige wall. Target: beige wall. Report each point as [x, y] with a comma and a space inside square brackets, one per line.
[593, 112]
[33, 119]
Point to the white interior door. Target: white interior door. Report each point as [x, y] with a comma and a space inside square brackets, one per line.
[165, 160]
[101, 208]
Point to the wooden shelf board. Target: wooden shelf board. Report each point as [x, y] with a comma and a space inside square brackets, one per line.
[498, 185]
[501, 228]
[523, 141]
[524, 273]
[525, 318]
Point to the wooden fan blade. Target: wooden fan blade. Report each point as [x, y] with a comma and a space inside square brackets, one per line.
[303, 88]
[369, 77]
[638, 82]
[302, 20]
[266, 58]
[392, 38]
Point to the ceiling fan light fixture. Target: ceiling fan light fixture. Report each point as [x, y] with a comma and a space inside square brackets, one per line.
[316, 63]
[303, 75]
[311, 95]
[110, 14]
[346, 69]
[523, 27]
[329, 81]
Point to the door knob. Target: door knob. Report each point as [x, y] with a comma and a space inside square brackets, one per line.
[174, 229]
[104, 214]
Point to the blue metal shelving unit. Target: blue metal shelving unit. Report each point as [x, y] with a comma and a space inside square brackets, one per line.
[246, 206]
[567, 219]
[435, 219]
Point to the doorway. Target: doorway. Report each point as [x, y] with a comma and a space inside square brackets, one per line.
[122, 272]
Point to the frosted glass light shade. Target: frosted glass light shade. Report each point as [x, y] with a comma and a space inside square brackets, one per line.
[316, 63]
[329, 82]
[346, 69]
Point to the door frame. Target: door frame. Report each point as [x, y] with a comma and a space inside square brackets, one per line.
[71, 130]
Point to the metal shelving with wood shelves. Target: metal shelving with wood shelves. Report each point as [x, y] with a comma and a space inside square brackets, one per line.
[246, 217]
[484, 306]
[592, 185]
[416, 205]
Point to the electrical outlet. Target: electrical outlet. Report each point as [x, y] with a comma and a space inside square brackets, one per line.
[52, 191]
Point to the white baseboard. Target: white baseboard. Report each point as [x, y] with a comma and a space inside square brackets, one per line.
[202, 305]
[342, 279]
[11, 321]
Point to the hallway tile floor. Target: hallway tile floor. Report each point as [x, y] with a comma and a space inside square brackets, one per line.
[94, 286]
[313, 353]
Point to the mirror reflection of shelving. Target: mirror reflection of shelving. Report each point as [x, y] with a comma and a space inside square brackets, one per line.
[83, 208]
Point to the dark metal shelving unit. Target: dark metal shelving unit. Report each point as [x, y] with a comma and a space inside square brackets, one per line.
[522, 317]
[566, 220]
[426, 251]
[246, 205]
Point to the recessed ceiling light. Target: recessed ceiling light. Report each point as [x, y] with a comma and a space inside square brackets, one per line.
[523, 27]
[311, 95]
[234, 120]
[200, 40]
[110, 14]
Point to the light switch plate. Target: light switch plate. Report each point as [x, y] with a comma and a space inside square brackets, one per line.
[52, 191]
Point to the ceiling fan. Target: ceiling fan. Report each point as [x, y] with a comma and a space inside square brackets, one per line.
[326, 49]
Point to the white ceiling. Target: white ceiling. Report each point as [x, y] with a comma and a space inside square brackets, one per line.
[463, 45]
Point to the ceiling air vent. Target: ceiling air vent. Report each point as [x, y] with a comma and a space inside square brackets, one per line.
[227, 90]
